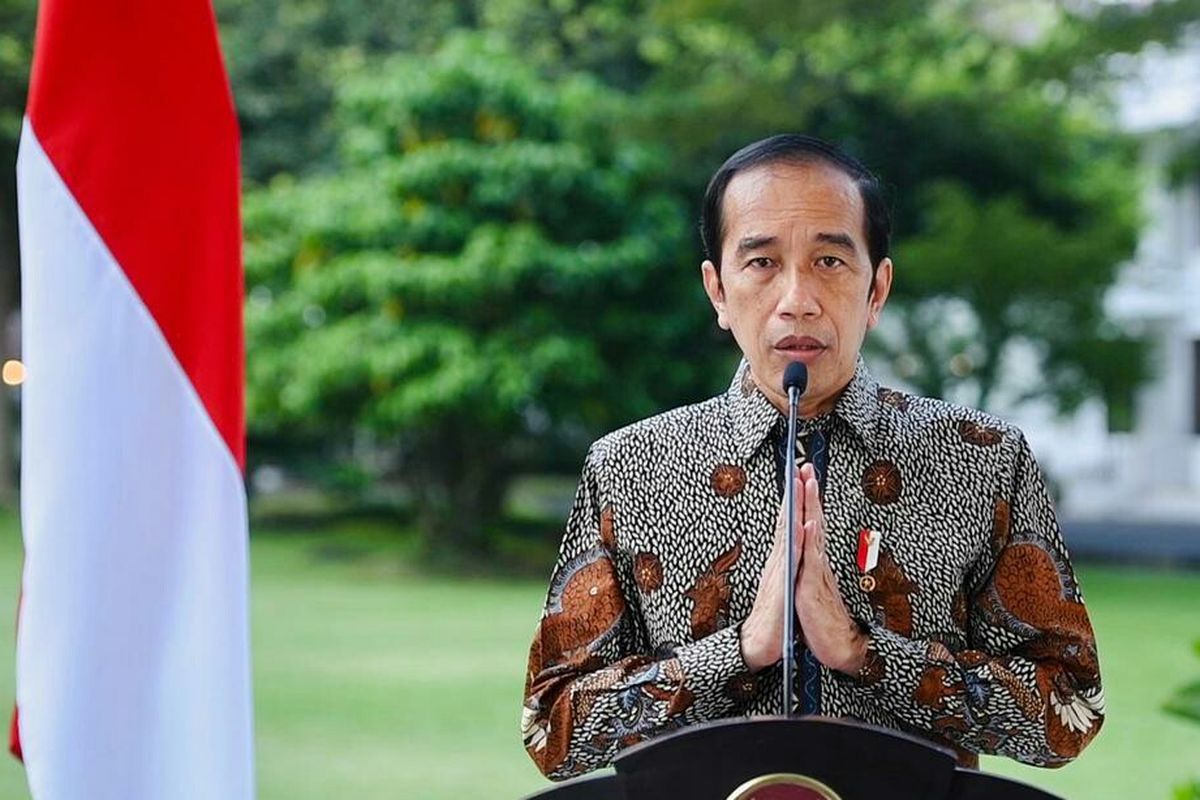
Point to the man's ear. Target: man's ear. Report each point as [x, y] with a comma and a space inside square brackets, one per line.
[715, 291]
[881, 287]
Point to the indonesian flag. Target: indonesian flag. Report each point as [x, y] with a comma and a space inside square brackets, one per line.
[133, 677]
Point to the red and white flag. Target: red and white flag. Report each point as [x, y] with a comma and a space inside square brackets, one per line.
[133, 667]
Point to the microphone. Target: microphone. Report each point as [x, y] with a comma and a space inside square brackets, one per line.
[795, 381]
[795, 377]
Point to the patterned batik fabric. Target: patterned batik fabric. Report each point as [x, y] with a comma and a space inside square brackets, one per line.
[977, 634]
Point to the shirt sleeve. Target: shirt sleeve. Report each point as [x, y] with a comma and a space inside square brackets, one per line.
[592, 686]
[1027, 684]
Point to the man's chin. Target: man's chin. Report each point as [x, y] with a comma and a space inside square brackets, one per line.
[770, 380]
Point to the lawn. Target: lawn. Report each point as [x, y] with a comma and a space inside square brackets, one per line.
[374, 682]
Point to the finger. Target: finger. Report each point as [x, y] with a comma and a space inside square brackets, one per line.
[781, 525]
[776, 557]
[812, 542]
[812, 493]
[816, 512]
[798, 531]
[780, 532]
[799, 483]
[798, 548]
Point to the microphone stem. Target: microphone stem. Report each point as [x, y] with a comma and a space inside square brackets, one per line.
[789, 589]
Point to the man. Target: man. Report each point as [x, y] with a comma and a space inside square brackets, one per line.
[959, 618]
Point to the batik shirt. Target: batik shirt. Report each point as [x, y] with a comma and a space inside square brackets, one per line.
[977, 635]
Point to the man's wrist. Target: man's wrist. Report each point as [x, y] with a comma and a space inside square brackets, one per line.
[856, 655]
[755, 652]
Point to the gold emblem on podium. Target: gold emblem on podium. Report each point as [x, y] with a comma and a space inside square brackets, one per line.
[783, 786]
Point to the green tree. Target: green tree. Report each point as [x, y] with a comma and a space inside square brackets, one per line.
[1016, 197]
[490, 274]
[282, 57]
[17, 19]
[978, 113]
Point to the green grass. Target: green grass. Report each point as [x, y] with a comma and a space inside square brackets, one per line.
[375, 682]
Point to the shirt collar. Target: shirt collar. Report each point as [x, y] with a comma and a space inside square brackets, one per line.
[754, 418]
[753, 415]
[858, 406]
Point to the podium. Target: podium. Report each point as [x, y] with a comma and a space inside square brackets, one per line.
[783, 758]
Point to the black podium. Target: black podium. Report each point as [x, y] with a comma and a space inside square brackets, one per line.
[780, 758]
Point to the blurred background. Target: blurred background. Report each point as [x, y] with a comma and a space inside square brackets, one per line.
[470, 250]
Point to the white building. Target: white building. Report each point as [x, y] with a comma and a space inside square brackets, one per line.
[1153, 472]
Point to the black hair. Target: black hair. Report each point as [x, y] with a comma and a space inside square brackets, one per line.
[795, 148]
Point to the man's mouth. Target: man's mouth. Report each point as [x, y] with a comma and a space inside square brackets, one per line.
[800, 348]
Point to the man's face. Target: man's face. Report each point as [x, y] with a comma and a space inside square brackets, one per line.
[795, 281]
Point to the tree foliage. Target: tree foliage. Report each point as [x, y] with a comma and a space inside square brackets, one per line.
[17, 19]
[16, 46]
[1016, 197]
[476, 254]
[484, 258]
[492, 272]
[282, 57]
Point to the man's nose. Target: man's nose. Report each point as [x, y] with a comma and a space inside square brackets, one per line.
[799, 298]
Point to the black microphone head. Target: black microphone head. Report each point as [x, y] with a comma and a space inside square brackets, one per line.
[795, 376]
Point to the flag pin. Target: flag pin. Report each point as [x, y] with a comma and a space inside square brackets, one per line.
[868, 549]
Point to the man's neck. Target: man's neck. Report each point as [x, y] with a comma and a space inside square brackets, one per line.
[804, 410]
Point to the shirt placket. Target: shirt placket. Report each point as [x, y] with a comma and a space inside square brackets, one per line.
[811, 448]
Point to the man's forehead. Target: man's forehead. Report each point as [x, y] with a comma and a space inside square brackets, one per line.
[763, 198]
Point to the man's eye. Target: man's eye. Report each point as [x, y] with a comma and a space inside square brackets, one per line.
[829, 262]
[762, 262]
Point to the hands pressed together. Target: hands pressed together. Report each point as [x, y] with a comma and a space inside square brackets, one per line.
[825, 625]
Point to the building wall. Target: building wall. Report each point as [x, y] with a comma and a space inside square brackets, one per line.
[1153, 472]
